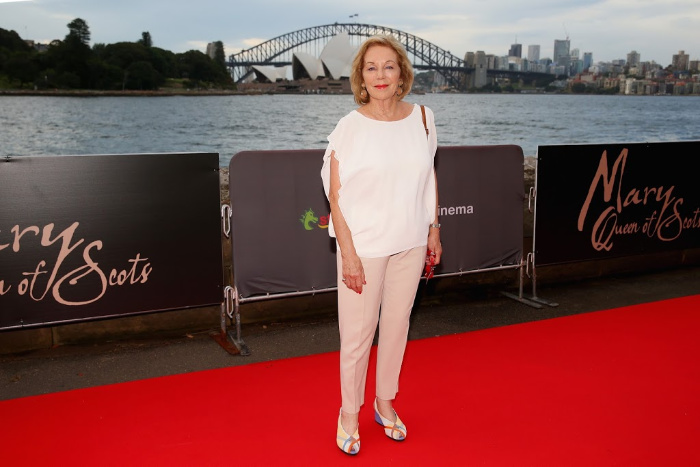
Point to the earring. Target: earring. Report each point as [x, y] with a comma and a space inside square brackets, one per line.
[363, 93]
[399, 90]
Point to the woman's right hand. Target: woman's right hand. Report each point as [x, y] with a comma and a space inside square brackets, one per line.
[353, 273]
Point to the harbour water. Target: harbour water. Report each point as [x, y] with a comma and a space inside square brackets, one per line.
[32, 125]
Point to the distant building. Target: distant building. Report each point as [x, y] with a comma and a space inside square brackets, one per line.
[41, 48]
[558, 70]
[337, 56]
[633, 59]
[525, 64]
[561, 51]
[491, 61]
[269, 74]
[533, 53]
[481, 63]
[681, 61]
[516, 50]
[478, 79]
[469, 59]
[306, 66]
[334, 63]
[211, 50]
[587, 60]
[576, 66]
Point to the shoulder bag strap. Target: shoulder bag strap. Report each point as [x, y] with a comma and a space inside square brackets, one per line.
[425, 124]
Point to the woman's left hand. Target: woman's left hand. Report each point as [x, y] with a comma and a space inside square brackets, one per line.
[434, 244]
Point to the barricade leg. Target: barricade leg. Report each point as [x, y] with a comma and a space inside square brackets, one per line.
[520, 298]
[229, 339]
[534, 297]
[235, 337]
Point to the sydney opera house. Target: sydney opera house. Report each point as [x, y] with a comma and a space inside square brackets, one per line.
[328, 73]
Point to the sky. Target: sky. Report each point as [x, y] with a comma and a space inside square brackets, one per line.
[610, 29]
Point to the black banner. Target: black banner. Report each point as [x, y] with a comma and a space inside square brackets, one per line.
[279, 224]
[280, 216]
[612, 200]
[481, 195]
[85, 237]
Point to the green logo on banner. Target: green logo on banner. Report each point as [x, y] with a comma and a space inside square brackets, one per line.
[308, 219]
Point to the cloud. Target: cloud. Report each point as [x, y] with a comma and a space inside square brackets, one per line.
[608, 28]
[252, 42]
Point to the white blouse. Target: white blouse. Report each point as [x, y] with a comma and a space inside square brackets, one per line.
[387, 194]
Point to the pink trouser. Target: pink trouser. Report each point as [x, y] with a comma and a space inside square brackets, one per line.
[392, 282]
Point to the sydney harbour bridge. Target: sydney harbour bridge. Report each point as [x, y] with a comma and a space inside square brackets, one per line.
[424, 54]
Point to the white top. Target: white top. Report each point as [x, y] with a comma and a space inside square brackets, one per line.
[387, 194]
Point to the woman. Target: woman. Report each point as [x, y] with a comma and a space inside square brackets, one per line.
[380, 181]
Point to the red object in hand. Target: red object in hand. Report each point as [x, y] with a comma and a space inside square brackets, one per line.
[429, 270]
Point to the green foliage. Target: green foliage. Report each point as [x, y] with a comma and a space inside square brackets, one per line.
[199, 68]
[142, 76]
[578, 88]
[146, 40]
[11, 41]
[79, 31]
[219, 55]
[544, 82]
[495, 88]
[71, 64]
[20, 67]
[14, 52]
[123, 54]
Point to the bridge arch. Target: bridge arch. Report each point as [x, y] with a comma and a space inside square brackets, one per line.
[426, 55]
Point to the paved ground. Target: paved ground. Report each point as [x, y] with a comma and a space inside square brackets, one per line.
[72, 367]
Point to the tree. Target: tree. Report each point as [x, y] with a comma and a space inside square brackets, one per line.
[15, 56]
[71, 57]
[21, 67]
[197, 66]
[219, 55]
[146, 39]
[12, 41]
[578, 88]
[164, 62]
[141, 75]
[104, 75]
[123, 54]
[78, 29]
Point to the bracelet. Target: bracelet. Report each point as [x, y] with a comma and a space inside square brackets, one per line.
[435, 226]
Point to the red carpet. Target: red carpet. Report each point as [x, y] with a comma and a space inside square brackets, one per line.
[617, 387]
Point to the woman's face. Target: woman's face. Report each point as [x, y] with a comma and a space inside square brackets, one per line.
[381, 72]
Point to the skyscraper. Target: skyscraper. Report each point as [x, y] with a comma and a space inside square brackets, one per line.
[680, 61]
[561, 51]
[533, 53]
[633, 59]
[516, 50]
[587, 60]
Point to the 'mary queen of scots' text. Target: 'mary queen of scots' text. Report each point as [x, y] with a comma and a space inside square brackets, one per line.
[49, 275]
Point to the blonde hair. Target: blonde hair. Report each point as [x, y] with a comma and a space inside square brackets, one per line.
[359, 62]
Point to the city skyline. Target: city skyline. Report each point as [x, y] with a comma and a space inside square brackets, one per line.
[609, 29]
